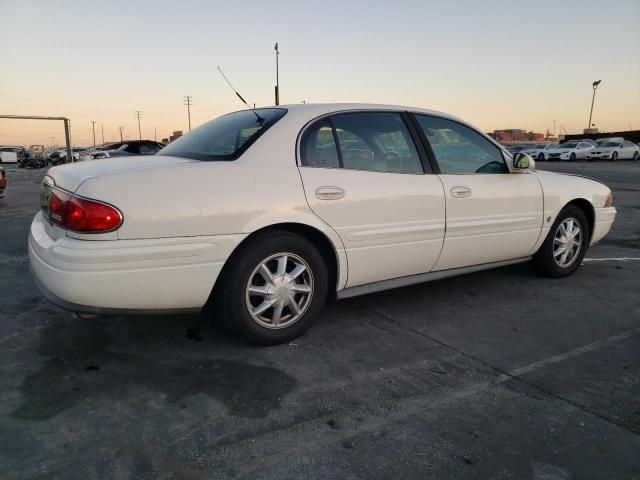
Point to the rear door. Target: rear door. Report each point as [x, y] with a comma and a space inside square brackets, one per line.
[492, 215]
[364, 175]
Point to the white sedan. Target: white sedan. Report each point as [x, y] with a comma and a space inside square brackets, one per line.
[266, 213]
[538, 151]
[614, 150]
[570, 151]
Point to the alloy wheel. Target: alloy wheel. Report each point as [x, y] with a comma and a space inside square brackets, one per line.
[279, 290]
[567, 242]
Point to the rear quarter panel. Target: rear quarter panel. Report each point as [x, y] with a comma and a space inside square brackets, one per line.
[209, 198]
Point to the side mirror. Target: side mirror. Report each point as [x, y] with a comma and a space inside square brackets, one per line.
[522, 162]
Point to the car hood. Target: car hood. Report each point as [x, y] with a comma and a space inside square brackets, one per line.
[70, 176]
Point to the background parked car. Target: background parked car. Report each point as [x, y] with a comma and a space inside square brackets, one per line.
[12, 154]
[122, 149]
[601, 141]
[623, 150]
[572, 150]
[516, 148]
[59, 156]
[538, 151]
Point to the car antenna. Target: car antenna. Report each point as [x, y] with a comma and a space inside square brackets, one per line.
[260, 119]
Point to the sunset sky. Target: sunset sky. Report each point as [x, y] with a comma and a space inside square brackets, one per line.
[496, 63]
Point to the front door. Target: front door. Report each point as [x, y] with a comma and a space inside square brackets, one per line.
[363, 176]
[492, 214]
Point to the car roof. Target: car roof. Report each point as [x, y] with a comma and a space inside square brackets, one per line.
[319, 109]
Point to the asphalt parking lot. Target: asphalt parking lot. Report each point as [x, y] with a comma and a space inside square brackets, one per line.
[498, 374]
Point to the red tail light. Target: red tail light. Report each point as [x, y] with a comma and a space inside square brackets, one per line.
[82, 215]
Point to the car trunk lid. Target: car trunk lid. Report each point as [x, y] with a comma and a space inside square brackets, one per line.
[70, 176]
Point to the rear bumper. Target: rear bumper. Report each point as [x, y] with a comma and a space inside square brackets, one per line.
[153, 276]
[603, 221]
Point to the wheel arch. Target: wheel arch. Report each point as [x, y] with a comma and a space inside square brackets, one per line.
[587, 207]
[317, 237]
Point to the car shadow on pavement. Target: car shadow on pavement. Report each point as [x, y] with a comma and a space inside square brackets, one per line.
[172, 356]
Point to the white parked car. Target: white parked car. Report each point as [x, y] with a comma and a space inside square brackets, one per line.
[570, 151]
[265, 213]
[617, 149]
[538, 151]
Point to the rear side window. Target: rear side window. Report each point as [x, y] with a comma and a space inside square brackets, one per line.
[226, 137]
[459, 149]
[319, 147]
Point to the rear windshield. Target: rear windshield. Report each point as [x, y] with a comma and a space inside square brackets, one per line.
[226, 137]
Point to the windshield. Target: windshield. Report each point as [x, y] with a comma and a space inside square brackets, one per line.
[226, 137]
[568, 145]
[611, 144]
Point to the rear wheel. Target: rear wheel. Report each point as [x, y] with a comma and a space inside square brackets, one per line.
[565, 246]
[635, 156]
[275, 288]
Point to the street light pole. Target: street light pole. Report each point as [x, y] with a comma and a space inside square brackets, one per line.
[277, 76]
[93, 126]
[593, 99]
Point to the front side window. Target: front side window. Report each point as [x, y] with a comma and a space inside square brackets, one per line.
[226, 137]
[376, 141]
[459, 149]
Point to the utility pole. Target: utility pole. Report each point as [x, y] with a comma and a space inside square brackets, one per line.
[277, 76]
[93, 126]
[187, 102]
[102, 127]
[121, 131]
[595, 86]
[155, 134]
[139, 116]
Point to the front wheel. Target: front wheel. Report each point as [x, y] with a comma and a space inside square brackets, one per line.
[572, 157]
[565, 246]
[614, 156]
[275, 288]
[635, 156]
[541, 157]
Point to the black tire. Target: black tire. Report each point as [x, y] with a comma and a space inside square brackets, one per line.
[614, 156]
[572, 157]
[541, 157]
[230, 296]
[635, 156]
[543, 261]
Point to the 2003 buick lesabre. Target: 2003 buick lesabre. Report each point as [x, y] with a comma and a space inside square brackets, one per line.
[265, 213]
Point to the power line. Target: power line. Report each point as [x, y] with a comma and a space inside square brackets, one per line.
[139, 116]
[187, 102]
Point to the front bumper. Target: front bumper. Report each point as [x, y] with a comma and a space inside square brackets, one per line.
[149, 276]
[604, 218]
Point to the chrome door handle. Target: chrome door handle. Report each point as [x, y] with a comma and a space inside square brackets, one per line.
[460, 192]
[330, 193]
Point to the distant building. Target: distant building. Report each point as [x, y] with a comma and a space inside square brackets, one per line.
[176, 134]
[516, 135]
